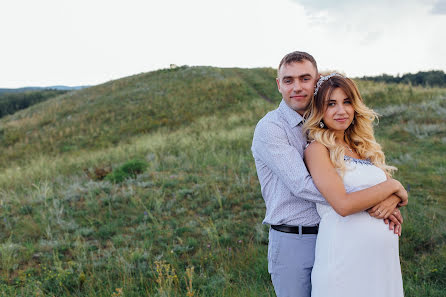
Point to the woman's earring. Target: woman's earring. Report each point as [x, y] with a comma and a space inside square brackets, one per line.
[321, 124]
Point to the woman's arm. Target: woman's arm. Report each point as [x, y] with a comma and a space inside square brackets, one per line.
[331, 186]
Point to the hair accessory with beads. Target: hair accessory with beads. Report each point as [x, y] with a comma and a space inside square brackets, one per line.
[322, 79]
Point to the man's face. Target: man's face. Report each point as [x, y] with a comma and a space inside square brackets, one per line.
[296, 83]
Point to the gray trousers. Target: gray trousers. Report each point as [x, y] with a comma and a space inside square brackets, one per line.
[290, 261]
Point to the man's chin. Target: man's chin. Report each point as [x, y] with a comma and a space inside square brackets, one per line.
[299, 108]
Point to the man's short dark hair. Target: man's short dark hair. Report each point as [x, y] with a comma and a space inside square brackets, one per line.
[297, 57]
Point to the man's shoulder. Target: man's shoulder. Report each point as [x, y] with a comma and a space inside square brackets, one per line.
[272, 118]
[270, 129]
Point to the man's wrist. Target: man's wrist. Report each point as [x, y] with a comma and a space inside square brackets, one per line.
[395, 199]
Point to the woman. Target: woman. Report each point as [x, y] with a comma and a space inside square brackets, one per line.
[356, 254]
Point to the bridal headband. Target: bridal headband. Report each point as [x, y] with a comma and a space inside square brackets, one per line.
[322, 79]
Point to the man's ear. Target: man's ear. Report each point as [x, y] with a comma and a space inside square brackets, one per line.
[278, 83]
[318, 76]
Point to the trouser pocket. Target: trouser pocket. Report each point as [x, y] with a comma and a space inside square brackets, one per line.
[273, 249]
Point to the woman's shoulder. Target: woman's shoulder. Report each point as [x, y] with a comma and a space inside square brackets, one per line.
[315, 147]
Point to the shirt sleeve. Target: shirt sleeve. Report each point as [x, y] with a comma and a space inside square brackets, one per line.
[271, 146]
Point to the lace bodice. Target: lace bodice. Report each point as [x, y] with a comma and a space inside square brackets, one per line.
[359, 175]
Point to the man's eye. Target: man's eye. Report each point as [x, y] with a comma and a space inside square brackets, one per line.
[287, 81]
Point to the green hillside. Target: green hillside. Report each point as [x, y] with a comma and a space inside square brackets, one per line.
[188, 221]
[101, 116]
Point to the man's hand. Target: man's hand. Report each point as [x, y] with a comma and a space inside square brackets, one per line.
[385, 208]
[388, 211]
[395, 221]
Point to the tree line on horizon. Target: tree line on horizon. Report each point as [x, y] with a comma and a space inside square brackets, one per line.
[433, 78]
[12, 102]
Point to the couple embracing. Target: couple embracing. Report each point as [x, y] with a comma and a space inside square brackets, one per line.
[327, 188]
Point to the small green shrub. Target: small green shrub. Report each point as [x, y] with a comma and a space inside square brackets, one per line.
[127, 170]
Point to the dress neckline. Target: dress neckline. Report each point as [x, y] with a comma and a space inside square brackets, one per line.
[357, 161]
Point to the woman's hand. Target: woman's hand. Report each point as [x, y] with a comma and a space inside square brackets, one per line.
[385, 208]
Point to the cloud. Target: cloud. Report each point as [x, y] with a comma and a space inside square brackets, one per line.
[366, 22]
[370, 37]
[325, 4]
[341, 5]
[439, 7]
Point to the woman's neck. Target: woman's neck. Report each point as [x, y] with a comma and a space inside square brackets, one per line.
[340, 138]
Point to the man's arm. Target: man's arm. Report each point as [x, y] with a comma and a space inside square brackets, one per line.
[270, 144]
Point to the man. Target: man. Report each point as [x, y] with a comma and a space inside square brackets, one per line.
[287, 188]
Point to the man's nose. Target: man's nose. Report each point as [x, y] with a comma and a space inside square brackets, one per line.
[297, 86]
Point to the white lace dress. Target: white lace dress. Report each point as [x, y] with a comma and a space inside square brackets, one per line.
[356, 255]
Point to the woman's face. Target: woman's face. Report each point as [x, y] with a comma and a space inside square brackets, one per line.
[339, 111]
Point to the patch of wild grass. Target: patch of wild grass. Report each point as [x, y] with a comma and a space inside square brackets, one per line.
[191, 208]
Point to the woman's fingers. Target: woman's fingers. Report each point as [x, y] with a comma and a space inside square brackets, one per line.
[398, 229]
[391, 225]
[403, 202]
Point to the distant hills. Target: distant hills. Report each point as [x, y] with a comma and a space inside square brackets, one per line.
[13, 100]
[25, 89]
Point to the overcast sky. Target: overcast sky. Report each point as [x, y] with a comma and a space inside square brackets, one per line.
[87, 42]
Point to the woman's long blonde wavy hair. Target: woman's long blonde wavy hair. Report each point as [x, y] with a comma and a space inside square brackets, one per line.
[359, 135]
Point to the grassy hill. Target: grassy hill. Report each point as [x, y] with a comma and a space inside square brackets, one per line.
[98, 117]
[190, 224]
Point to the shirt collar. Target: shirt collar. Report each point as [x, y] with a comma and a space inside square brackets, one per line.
[291, 116]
